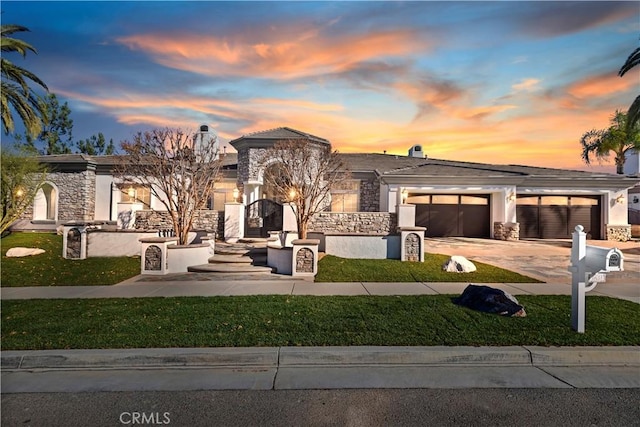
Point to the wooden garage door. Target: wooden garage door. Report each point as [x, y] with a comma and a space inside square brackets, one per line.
[555, 217]
[448, 215]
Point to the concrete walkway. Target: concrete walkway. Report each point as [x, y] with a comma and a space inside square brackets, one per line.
[168, 288]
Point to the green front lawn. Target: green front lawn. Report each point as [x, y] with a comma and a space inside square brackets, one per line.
[50, 268]
[335, 269]
[307, 321]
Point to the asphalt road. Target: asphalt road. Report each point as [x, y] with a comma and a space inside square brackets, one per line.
[382, 407]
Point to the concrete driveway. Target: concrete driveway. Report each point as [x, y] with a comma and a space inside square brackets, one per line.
[546, 260]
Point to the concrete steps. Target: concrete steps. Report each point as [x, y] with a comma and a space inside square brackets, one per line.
[230, 267]
[245, 256]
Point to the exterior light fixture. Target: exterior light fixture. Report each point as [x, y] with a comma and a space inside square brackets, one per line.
[620, 199]
[19, 193]
[131, 192]
[292, 194]
[404, 194]
[236, 193]
[511, 197]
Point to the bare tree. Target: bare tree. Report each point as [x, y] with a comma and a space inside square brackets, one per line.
[303, 173]
[179, 168]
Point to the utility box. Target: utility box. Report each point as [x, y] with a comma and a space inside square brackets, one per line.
[603, 259]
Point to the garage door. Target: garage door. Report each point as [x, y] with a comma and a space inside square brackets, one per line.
[555, 217]
[448, 215]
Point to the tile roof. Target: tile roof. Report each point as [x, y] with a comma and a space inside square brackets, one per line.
[283, 133]
[388, 165]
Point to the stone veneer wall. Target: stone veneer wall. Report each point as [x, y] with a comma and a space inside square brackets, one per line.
[354, 222]
[205, 220]
[370, 195]
[506, 230]
[619, 233]
[76, 195]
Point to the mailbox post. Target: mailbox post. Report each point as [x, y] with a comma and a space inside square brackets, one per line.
[589, 266]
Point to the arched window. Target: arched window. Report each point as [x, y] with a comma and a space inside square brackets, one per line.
[45, 204]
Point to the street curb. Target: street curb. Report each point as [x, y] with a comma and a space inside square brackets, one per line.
[274, 357]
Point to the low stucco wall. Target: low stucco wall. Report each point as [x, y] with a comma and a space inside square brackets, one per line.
[279, 257]
[180, 257]
[101, 243]
[362, 246]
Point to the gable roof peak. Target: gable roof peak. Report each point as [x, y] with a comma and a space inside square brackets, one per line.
[281, 133]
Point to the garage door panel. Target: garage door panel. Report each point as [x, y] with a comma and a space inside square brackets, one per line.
[474, 221]
[529, 220]
[444, 220]
[555, 217]
[454, 215]
[588, 217]
[554, 222]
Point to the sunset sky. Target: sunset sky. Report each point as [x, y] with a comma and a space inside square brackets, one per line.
[497, 82]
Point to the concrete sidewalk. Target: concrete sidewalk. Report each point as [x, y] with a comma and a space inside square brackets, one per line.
[287, 368]
[133, 288]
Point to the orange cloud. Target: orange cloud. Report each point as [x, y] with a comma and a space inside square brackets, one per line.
[276, 55]
[600, 85]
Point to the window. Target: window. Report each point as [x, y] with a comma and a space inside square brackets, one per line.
[345, 197]
[222, 193]
[135, 193]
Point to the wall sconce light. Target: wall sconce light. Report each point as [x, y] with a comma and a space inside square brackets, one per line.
[236, 193]
[404, 195]
[131, 192]
[292, 194]
[620, 199]
[635, 199]
[511, 197]
[19, 193]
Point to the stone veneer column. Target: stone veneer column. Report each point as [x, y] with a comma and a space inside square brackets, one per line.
[506, 231]
[619, 233]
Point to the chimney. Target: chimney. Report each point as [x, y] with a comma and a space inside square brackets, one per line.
[416, 151]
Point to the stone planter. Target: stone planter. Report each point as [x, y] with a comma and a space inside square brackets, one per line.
[161, 255]
[299, 260]
[180, 257]
[154, 257]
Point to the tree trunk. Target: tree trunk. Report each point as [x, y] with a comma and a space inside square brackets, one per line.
[302, 230]
[620, 165]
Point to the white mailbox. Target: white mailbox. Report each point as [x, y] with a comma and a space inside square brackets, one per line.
[589, 266]
[603, 259]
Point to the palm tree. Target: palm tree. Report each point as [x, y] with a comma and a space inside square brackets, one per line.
[633, 115]
[617, 138]
[16, 92]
